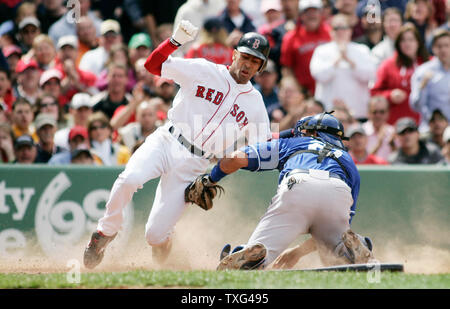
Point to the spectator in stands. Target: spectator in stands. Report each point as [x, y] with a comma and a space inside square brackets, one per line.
[29, 29]
[392, 21]
[74, 79]
[116, 93]
[48, 12]
[48, 104]
[236, 21]
[22, 119]
[166, 90]
[446, 148]
[384, 5]
[12, 54]
[94, 60]
[358, 147]
[196, 11]
[102, 145]
[80, 109]
[139, 46]
[380, 134]
[373, 30]
[6, 96]
[420, 13]
[45, 128]
[78, 138]
[50, 82]
[437, 125]
[411, 149]
[348, 8]
[266, 84]
[342, 113]
[82, 156]
[446, 25]
[25, 150]
[146, 124]
[27, 80]
[87, 37]
[273, 15]
[44, 52]
[145, 77]
[299, 44]
[312, 107]
[4, 112]
[394, 74]
[6, 143]
[67, 24]
[117, 55]
[211, 43]
[292, 97]
[343, 69]
[430, 83]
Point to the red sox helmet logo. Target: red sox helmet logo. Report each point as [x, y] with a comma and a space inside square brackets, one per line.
[256, 44]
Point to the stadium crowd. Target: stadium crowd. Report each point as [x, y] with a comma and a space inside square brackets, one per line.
[74, 89]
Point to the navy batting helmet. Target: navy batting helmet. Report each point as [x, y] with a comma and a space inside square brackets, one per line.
[328, 128]
[255, 44]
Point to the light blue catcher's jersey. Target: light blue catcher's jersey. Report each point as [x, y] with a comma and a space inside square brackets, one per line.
[276, 154]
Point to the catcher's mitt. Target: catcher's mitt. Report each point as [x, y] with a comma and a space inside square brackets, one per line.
[202, 191]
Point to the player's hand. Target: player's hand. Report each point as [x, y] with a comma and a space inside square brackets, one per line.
[287, 259]
[185, 32]
[398, 96]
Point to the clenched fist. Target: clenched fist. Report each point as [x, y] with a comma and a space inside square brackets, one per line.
[185, 32]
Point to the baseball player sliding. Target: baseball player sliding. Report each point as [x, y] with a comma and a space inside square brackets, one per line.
[317, 193]
[215, 106]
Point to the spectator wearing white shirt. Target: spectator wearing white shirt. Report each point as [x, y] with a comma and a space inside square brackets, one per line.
[94, 60]
[343, 69]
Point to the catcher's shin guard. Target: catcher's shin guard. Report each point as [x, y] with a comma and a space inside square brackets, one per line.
[252, 257]
[355, 248]
[95, 250]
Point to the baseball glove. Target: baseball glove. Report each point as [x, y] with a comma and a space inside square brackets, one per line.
[202, 192]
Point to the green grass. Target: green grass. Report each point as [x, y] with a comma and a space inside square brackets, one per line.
[228, 280]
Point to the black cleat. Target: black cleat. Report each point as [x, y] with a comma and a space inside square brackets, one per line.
[95, 250]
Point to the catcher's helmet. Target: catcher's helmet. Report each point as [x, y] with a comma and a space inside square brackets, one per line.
[328, 128]
[255, 44]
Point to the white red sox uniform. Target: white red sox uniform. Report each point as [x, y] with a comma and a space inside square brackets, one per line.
[211, 111]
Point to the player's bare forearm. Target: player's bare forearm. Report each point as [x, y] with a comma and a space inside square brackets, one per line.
[237, 161]
[291, 256]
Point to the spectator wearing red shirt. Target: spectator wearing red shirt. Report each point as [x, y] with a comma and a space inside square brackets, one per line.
[358, 147]
[298, 45]
[394, 74]
[212, 43]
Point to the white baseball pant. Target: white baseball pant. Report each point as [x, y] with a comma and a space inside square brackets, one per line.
[316, 205]
[161, 155]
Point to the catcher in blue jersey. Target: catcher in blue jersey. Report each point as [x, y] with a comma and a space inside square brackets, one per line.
[317, 192]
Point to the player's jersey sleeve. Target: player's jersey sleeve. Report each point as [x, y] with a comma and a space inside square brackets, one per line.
[181, 70]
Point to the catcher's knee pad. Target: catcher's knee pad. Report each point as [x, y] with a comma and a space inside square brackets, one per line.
[354, 248]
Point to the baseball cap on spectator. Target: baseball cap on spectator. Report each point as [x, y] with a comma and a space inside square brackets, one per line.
[446, 135]
[213, 24]
[404, 124]
[355, 129]
[22, 65]
[268, 5]
[80, 100]
[78, 131]
[109, 25]
[307, 4]
[140, 39]
[159, 81]
[11, 49]
[29, 20]
[70, 40]
[23, 140]
[48, 75]
[75, 153]
[437, 113]
[44, 119]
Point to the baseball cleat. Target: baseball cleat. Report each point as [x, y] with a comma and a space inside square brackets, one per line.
[225, 252]
[358, 252]
[95, 250]
[252, 257]
[160, 253]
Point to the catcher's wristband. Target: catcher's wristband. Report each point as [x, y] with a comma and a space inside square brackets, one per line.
[217, 174]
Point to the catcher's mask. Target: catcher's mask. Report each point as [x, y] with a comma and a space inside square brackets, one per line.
[328, 128]
[256, 45]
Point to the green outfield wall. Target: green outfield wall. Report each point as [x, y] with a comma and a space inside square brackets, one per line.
[51, 208]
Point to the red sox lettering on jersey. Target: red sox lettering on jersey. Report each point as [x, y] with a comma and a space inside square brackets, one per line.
[208, 94]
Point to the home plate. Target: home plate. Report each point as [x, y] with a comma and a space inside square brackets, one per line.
[360, 267]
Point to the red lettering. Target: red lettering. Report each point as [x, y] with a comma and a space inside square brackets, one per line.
[218, 98]
[200, 91]
[234, 111]
[240, 116]
[243, 123]
[209, 94]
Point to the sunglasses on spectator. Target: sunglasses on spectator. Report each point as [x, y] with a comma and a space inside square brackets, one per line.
[102, 126]
[341, 28]
[48, 104]
[380, 111]
[408, 130]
